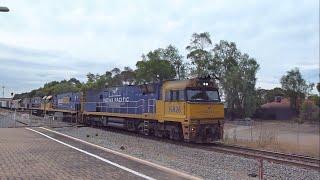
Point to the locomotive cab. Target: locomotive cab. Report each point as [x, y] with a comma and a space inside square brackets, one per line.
[196, 104]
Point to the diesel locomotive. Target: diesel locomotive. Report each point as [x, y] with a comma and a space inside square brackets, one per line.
[185, 110]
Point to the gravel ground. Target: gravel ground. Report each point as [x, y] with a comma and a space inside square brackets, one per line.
[201, 163]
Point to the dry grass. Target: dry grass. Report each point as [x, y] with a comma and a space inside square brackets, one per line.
[267, 141]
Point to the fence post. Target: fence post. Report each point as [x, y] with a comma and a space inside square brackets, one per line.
[260, 171]
[30, 118]
[14, 118]
[298, 134]
[251, 130]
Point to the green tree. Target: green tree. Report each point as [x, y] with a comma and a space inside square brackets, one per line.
[63, 88]
[40, 93]
[315, 98]
[226, 56]
[261, 96]
[50, 84]
[248, 68]
[154, 67]
[171, 53]
[198, 52]
[128, 75]
[237, 77]
[309, 112]
[295, 88]
[75, 82]
[115, 71]
[91, 77]
[272, 93]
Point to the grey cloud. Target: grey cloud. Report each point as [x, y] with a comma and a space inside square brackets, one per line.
[26, 51]
[279, 34]
[19, 75]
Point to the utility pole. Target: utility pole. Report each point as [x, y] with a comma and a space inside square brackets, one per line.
[3, 91]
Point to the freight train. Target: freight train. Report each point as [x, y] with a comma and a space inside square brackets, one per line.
[185, 110]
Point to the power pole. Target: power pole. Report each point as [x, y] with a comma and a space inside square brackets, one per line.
[3, 91]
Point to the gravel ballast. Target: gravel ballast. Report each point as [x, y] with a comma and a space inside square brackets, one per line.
[201, 163]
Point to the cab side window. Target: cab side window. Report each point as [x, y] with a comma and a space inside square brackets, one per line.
[181, 95]
[175, 95]
[168, 96]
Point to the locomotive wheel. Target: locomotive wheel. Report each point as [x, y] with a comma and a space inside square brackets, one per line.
[140, 128]
[175, 135]
[159, 133]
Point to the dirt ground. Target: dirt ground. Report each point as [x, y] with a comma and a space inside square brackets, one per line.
[285, 136]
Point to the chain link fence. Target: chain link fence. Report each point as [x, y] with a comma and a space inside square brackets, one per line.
[285, 135]
[26, 119]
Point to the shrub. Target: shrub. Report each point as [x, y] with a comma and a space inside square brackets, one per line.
[309, 112]
[266, 138]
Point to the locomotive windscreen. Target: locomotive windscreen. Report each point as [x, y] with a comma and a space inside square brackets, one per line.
[203, 95]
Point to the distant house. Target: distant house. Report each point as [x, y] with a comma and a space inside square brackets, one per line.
[279, 109]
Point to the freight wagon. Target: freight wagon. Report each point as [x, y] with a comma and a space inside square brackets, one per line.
[15, 103]
[5, 103]
[25, 104]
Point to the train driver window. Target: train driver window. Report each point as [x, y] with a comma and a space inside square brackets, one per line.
[175, 95]
[181, 95]
[168, 96]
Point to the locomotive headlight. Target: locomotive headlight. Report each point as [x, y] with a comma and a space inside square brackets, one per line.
[193, 129]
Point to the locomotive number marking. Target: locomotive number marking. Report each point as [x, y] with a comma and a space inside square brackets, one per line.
[175, 109]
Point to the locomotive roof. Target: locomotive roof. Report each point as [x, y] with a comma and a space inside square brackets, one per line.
[182, 84]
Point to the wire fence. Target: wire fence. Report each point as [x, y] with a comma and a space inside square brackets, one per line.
[282, 134]
[26, 119]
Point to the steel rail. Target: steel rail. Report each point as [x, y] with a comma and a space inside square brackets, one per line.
[280, 158]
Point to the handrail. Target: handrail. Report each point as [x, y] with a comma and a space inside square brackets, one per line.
[153, 105]
[136, 107]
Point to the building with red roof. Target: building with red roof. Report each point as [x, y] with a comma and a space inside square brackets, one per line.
[279, 109]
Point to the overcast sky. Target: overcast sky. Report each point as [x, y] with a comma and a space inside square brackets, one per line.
[46, 40]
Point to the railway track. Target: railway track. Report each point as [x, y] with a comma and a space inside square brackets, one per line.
[276, 157]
